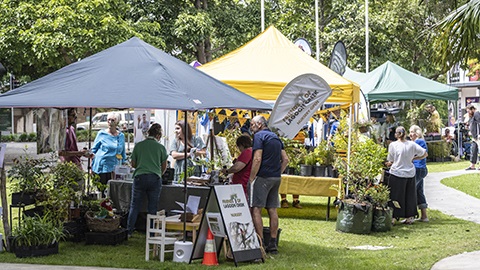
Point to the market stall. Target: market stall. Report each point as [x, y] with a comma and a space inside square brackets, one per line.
[266, 64]
[132, 74]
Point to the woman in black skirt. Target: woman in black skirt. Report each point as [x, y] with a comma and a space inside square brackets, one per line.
[403, 196]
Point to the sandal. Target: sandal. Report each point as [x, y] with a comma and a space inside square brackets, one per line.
[408, 221]
[394, 220]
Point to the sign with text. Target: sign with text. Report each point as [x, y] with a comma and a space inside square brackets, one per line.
[237, 218]
[227, 214]
[297, 103]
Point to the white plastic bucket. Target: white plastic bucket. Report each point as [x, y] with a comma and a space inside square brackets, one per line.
[182, 251]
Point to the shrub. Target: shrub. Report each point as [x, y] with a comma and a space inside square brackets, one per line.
[32, 137]
[82, 135]
[27, 174]
[23, 137]
[37, 231]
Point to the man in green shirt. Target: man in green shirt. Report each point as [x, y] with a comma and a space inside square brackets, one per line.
[149, 158]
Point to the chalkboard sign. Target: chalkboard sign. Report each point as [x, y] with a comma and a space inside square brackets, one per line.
[228, 215]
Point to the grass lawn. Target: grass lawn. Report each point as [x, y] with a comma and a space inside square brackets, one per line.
[307, 241]
[447, 166]
[468, 183]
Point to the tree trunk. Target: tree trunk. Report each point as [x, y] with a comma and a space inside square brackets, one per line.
[3, 196]
[201, 53]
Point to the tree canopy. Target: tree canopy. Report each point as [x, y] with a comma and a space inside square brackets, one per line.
[38, 37]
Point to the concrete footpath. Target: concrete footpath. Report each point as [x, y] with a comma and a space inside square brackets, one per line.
[458, 204]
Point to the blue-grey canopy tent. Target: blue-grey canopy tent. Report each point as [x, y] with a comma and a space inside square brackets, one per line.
[391, 82]
[132, 74]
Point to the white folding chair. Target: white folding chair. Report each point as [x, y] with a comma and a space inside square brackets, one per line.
[157, 237]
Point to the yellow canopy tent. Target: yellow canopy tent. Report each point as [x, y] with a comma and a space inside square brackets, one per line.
[264, 65]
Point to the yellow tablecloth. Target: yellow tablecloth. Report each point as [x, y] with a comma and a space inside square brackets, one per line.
[309, 185]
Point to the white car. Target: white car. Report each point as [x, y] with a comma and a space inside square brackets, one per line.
[99, 121]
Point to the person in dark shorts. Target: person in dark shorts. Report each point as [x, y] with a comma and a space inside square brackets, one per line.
[269, 161]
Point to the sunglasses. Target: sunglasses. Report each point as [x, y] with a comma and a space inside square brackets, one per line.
[110, 120]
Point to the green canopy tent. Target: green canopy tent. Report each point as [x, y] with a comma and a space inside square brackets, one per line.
[390, 82]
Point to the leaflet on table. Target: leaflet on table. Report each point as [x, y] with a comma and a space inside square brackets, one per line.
[192, 205]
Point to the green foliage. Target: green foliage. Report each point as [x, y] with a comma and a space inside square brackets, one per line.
[458, 34]
[231, 137]
[90, 204]
[67, 180]
[439, 149]
[42, 36]
[39, 37]
[96, 182]
[27, 174]
[324, 153]
[32, 137]
[379, 194]
[82, 135]
[340, 139]
[295, 152]
[8, 138]
[365, 164]
[447, 166]
[23, 137]
[310, 158]
[467, 183]
[36, 231]
[431, 238]
[190, 171]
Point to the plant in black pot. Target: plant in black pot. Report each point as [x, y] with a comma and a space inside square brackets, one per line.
[66, 190]
[324, 155]
[360, 171]
[309, 160]
[37, 236]
[295, 152]
[28, 179]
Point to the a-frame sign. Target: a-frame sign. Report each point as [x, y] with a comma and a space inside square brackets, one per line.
[228, 215]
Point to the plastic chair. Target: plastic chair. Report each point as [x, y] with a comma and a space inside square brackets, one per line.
[158, 237]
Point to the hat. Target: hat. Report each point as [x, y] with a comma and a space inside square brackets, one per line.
[470, 106]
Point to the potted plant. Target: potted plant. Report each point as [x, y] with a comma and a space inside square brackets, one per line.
[28, 180]
[37, 236]
[66, 190]
[295, 152]
[382, 214]
[64, 197]
[309, 160]
[324, 155]
[359, 172]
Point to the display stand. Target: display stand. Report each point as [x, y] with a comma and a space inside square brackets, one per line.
[227, 215]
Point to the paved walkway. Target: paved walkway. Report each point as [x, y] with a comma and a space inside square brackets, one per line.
[458, 204]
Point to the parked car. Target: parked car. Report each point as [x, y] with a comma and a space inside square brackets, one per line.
[99, 121]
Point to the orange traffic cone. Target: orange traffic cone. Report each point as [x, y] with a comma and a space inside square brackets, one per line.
[210, 254]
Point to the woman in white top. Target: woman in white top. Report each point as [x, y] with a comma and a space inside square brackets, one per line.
[401, 154]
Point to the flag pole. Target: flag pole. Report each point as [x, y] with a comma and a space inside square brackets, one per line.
[317, 31]
[366, 38]
[262, 12]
